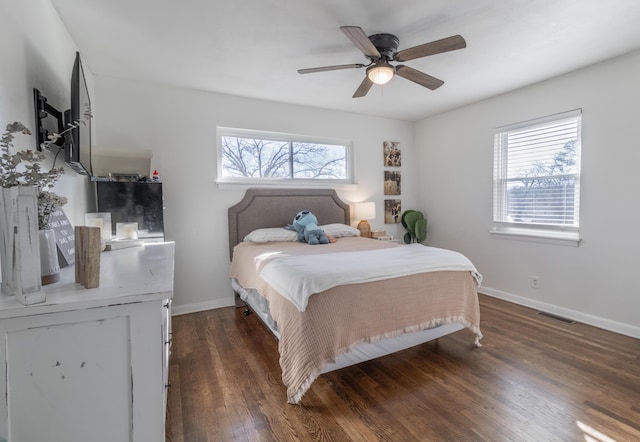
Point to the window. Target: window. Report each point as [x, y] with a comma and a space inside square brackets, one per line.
[537, 177]
[251, 156]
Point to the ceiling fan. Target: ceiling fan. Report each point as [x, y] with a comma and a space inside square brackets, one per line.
[380, 49]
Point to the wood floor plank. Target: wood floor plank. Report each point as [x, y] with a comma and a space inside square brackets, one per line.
[534, 378]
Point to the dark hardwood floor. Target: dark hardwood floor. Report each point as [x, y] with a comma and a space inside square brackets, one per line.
[535, 378]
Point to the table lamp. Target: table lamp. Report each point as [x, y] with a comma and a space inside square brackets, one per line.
[364, 212]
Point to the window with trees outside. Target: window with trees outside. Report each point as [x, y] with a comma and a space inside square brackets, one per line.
[536, 190]
[266, 157]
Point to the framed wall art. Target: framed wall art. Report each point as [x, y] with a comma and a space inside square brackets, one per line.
[392, 182]
[392, 211]
[392, 154]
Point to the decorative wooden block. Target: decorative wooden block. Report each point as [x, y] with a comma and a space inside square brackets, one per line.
[88, 248]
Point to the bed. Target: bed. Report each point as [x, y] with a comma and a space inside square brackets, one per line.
[329, 323]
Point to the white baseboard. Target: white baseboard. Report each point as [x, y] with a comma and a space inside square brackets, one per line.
[201, 306]
[585, 318]
[596, 321]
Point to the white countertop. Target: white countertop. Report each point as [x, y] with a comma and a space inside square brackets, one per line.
[135, 274]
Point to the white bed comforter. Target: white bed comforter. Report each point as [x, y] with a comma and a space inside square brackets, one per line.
[298, 277]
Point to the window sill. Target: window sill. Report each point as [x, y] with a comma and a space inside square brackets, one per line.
[227, 185]
[540, 236]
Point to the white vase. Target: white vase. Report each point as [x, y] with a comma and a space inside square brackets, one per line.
[49, 266]
[19, 244]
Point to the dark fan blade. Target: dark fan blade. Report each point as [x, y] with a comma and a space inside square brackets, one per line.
[363, 88]
[331, 68]
[435, 47]
[419, 77]
[360, 39]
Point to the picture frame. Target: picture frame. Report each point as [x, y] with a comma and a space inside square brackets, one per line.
[392, 154]
[392, 211]
[392, 182]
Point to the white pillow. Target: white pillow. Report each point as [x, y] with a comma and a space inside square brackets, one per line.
[271, 234]
[338, 230]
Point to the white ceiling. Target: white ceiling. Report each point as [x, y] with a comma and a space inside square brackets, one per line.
[253, 48]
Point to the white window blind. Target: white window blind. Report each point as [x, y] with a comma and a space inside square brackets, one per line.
[537, 174]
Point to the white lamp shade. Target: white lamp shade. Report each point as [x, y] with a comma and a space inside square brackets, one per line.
[366, 210]
[381, 73]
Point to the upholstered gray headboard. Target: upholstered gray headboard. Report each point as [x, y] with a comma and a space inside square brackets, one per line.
[276, 208]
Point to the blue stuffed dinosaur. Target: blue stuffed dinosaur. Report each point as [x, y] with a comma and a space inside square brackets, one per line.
[306, 224]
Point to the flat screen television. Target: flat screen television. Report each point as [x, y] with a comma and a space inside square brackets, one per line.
[78, 145]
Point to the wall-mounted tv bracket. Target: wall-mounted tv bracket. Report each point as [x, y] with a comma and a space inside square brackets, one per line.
[43, 111]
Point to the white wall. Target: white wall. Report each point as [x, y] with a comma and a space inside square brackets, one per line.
[37, 52]
[179, 126]
[596, 282]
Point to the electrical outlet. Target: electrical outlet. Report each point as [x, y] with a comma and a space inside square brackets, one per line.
[535, 282]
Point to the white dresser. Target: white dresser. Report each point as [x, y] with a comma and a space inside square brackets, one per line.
[90, 364]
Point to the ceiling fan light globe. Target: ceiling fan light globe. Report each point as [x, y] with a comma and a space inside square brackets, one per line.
[380, 74]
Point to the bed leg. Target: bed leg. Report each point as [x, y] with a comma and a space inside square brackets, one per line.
[240, 304]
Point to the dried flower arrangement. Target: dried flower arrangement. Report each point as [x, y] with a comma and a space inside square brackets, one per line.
[23, 168]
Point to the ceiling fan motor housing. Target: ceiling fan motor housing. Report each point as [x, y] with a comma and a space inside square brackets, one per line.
[386, 44]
